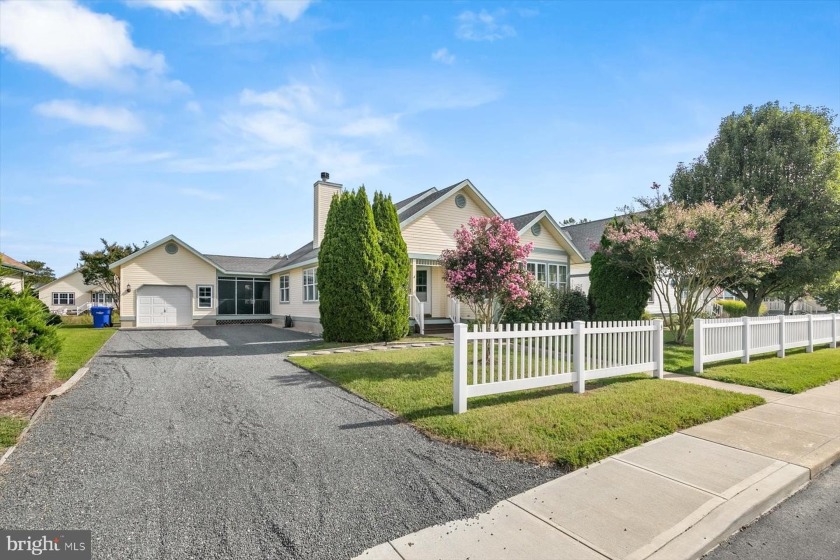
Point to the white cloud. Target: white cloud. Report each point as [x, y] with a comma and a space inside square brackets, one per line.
[443, 55]
[193, 107]
[483, 26]
[82, 47]
[370, 126]
[118, 119]
[200, 193]
[235, 13]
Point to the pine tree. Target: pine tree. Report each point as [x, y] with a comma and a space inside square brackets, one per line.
[393, 288]
[349, 271]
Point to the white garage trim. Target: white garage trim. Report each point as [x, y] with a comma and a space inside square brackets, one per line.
[163, 306]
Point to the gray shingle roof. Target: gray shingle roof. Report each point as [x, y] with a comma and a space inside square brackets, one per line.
[520, 222]
[409, 212]
[411, 199]
[299, 255]
[251, 265]
[585, 234]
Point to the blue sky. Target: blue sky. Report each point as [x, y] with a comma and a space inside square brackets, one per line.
[211, 120]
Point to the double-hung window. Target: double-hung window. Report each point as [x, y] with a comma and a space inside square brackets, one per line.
[285, 293]
[205, 296]
[310, 285]
[550, 275]
[64, 298]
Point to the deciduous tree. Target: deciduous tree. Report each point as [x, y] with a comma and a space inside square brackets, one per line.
[487, 270]
[695, 249]
[94, 267]
[789, 157]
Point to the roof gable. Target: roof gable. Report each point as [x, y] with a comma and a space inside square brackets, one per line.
[157, 244]
[8, 262]
[430, 201]
[526, 221]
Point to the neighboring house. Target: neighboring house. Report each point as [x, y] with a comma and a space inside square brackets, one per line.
[69, 295]
[586, 237]
[170, 283]
[12, 272]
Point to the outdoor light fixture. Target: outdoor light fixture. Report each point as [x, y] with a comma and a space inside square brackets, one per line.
[128, 288]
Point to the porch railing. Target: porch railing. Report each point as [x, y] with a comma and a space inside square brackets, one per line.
[416, 311]
[454, 313]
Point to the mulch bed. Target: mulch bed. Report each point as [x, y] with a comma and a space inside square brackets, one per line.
[26, 404]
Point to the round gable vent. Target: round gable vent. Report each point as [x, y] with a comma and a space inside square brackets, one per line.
[460, 201]
[536, 229]
[171, 248]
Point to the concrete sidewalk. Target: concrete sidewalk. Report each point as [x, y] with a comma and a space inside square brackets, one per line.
[673, 498]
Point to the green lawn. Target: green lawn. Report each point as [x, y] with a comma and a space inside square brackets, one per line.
[541, 425]
[78, 345]
[798, 371]
[795, 373]
[10, 429]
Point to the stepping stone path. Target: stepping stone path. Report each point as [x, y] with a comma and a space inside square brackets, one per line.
[369, 347]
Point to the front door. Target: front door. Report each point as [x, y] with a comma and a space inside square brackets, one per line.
[422, 286]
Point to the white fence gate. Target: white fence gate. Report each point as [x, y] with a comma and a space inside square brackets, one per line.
[515, 357]
[724, 339]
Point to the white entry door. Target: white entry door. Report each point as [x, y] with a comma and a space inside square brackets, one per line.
[164, 306]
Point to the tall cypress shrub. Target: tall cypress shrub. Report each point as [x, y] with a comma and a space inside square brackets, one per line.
[615, 292]
[349, 271]
[393, 288]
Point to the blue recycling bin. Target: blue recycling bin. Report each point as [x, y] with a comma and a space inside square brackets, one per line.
[101, 316]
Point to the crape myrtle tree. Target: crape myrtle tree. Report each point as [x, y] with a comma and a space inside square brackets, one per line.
[94, 267]
[789, 157]
[616, 292]
[393, 292]
[487, 270]
[687, 252]
[350, 267]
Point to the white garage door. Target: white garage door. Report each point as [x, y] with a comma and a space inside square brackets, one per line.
[164, 306]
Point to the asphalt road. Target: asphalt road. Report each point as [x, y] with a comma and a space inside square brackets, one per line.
[205, 444]
[805, 527]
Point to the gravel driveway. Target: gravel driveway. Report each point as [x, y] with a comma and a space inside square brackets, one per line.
[204, 444]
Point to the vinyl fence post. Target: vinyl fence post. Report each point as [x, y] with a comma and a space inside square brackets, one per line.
[745, 340]
[459, 383]
[658, 349]
[810, 347]
[781, 352]
[699, 344]
[834, 330]
[579, 339]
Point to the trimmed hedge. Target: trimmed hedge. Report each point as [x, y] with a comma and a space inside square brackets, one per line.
[737, 308]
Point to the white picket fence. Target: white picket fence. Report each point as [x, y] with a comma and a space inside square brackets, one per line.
[515, 357]
[724, 339]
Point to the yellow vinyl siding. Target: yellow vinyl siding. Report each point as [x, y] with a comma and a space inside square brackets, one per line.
[296, 306]
[15, 282]
[581, 282]
[545, 240]
[433, 231]
[72, 283]
[159, 268]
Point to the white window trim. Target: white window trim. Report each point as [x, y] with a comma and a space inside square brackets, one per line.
[199, 297]
[565, 284]
[69, 296]
[287, 290]
[314, 284]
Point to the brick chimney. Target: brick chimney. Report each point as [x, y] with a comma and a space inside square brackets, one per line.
[324, 193]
